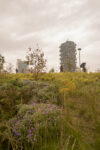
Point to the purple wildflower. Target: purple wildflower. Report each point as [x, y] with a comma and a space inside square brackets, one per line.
[29, 131]
[32, 128]
[17, 122]
[17, 134]
[29, 136]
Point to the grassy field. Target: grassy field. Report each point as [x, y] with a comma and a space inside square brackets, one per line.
[60, 111]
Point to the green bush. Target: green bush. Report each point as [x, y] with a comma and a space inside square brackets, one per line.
[34, 124]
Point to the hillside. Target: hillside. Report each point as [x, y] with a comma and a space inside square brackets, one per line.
[60, 111]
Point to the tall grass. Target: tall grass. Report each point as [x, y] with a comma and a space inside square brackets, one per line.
[75, 95]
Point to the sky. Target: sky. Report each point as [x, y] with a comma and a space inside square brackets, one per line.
[48, 23]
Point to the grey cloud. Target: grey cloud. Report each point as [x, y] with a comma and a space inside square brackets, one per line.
[48, 22]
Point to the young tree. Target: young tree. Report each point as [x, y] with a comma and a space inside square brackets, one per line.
[35, 59]
[2, 61]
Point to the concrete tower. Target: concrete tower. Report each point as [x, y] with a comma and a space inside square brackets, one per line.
[68, 56]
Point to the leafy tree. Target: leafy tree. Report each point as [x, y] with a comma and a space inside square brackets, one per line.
[2, 61]
[35, 59]
[83, 66]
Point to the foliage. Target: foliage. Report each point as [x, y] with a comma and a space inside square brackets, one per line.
[60, 111]
[52, 70]
[2, 61]
[69, 64]
[32, 121]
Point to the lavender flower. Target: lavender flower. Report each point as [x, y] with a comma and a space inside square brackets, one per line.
[29, 136]
[17, 122]
[32, 128]
[17, 134]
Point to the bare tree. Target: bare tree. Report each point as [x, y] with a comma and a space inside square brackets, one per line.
[2, 61]
[35, 59]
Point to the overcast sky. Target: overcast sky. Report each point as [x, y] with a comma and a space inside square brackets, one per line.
[48, 23]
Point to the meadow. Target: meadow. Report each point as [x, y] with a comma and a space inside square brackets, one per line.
[59, 111]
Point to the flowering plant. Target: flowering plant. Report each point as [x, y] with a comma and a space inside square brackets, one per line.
[33, 121]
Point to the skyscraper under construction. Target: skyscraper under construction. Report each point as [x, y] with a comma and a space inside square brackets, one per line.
[68, 56]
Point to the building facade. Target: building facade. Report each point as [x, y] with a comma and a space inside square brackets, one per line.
[21, 66]
[68, 56]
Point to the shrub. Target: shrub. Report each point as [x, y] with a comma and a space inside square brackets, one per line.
[34, 123]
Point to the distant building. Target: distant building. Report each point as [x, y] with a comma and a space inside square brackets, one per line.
[21, 66]
[68, 56]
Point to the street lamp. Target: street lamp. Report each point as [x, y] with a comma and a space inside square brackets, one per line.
[79, 49]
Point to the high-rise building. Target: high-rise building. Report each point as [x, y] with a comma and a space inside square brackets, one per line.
[21, 66]
[68, 56]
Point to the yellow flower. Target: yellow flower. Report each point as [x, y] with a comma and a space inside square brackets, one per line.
[64, 91]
